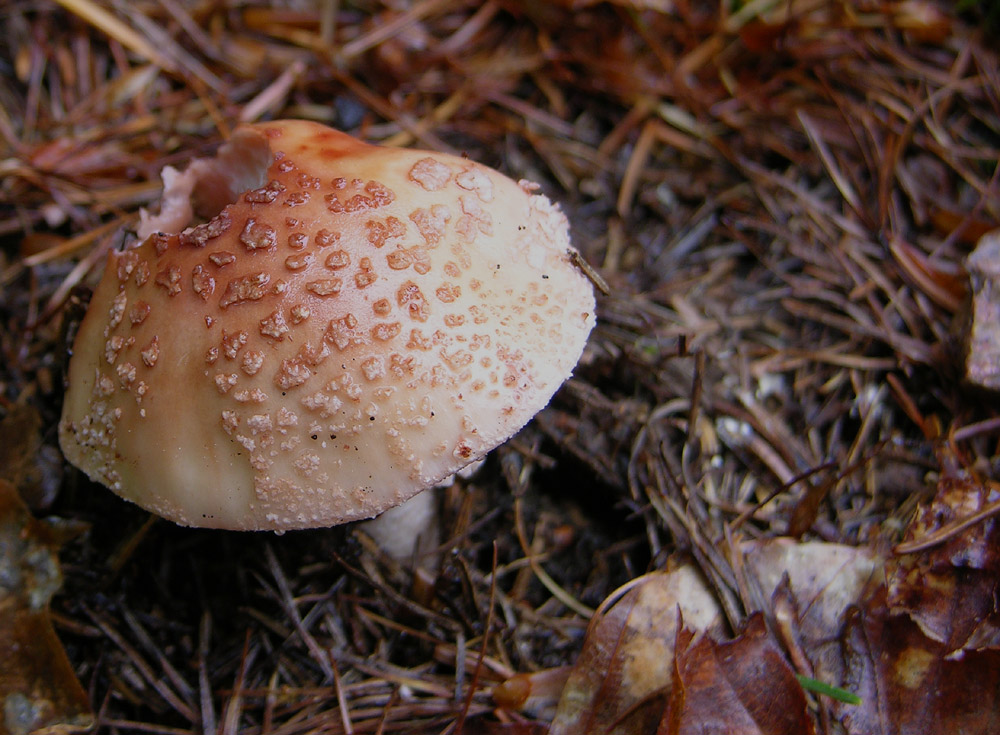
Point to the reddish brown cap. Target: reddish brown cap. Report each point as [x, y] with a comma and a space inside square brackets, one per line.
[356, 324]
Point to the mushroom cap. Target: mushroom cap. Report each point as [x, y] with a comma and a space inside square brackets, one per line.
[352, 324]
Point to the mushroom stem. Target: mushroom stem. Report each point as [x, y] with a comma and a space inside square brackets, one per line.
[409, 531]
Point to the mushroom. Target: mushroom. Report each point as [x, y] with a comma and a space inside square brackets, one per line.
[344, 327]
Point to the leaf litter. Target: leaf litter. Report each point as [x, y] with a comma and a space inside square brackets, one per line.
[39, 690]
[781, 198]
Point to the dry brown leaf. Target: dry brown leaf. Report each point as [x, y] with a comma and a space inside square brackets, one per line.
[740, 687]
[922, 649]
[38, 689]
[982, 353]
[950, 589]
[627, 657]
[907, 682]
[627, 669]
[34, 468]
[825, 579]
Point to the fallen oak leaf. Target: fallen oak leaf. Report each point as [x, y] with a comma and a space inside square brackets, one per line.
[922, 648]
[950, 589]
[907, 682]
[952, 606]
[853, 639]
[739, 687]
[810, 586]
[618, 683]
[626, 673]
[824, 578]
[622, 680]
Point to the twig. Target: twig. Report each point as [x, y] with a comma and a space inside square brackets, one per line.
[473, 682]
[948, 531]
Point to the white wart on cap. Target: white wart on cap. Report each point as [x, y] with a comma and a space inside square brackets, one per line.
[351, 325]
